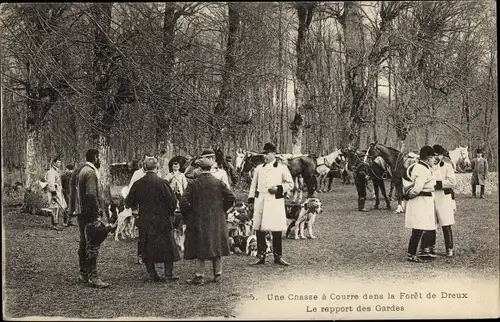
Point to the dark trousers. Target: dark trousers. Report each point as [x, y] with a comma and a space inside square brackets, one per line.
[361, 188]
[87, 251]
[139, 242]
[474, 190]
[416, 235]
[429, 238]
[261, 243]
[150, 268]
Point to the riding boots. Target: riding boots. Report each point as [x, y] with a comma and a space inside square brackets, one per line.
[261, 247]
[361, 204]
[448, 240]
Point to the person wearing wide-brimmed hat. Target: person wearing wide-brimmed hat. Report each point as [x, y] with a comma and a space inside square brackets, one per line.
[203, 207]
[420, 213]
[177, 180]
[271, 181]
[479, 167]
[444, 204]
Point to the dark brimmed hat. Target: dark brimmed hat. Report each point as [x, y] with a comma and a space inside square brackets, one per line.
[426, 151]
[205, 163]
[269, 147]
[208, 153]
[438, 149]
[479, 150]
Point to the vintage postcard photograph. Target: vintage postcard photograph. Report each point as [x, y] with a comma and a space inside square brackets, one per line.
[320, 160]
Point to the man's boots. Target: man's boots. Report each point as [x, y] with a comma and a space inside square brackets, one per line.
[448, 240]
[150, 268]
[361, 204]
[94, 279]
[261, 247]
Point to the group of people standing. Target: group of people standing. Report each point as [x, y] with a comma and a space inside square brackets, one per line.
[154, 201]
[203, 203]
[428, 186]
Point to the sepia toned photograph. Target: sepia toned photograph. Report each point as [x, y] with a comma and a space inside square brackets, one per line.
[320, 160]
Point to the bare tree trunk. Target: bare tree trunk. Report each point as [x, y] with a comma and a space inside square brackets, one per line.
[354, 72]
[305, 13]
[226, 92]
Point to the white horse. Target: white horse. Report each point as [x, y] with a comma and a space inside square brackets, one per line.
[240, 157]
[323, 166]
[460, 158]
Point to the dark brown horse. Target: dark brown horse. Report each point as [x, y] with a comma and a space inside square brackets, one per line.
[377, 173]
[301, 168]
[398, 163]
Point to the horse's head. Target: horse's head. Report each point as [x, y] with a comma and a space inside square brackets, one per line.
[219, 158]
[240, 156]
[464, 155]
[251, 161]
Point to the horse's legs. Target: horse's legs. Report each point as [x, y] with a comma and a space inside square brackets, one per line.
[322, 182]
[391, 190]
[330, 180]
[384, 194]
[399, 194]
[376, 187]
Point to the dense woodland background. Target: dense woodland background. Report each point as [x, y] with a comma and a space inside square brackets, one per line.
[176, 77]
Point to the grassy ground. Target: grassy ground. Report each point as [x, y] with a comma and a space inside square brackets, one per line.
[41, 264]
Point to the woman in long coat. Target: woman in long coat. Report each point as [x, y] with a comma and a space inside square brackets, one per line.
[203, 207]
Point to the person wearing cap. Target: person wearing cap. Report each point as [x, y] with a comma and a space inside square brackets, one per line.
[419, 213]
[139, 174]
[444, 204]
[157, 204]
[57, 203]
[216, 171]
[177, 181]
[479, 167]
[86, 204]
[203, 207]
[270, 182]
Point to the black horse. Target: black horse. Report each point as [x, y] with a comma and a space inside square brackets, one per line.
[378, 173]
[302, 167]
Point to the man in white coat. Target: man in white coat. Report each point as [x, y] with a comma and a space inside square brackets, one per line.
[444, 204]
[54, 191]
[271, 181]
[420, 214]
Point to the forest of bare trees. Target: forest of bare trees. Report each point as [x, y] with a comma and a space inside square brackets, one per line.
[175, 77]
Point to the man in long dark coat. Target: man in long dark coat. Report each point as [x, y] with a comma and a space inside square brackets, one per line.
[157, 203]
[203, 207]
